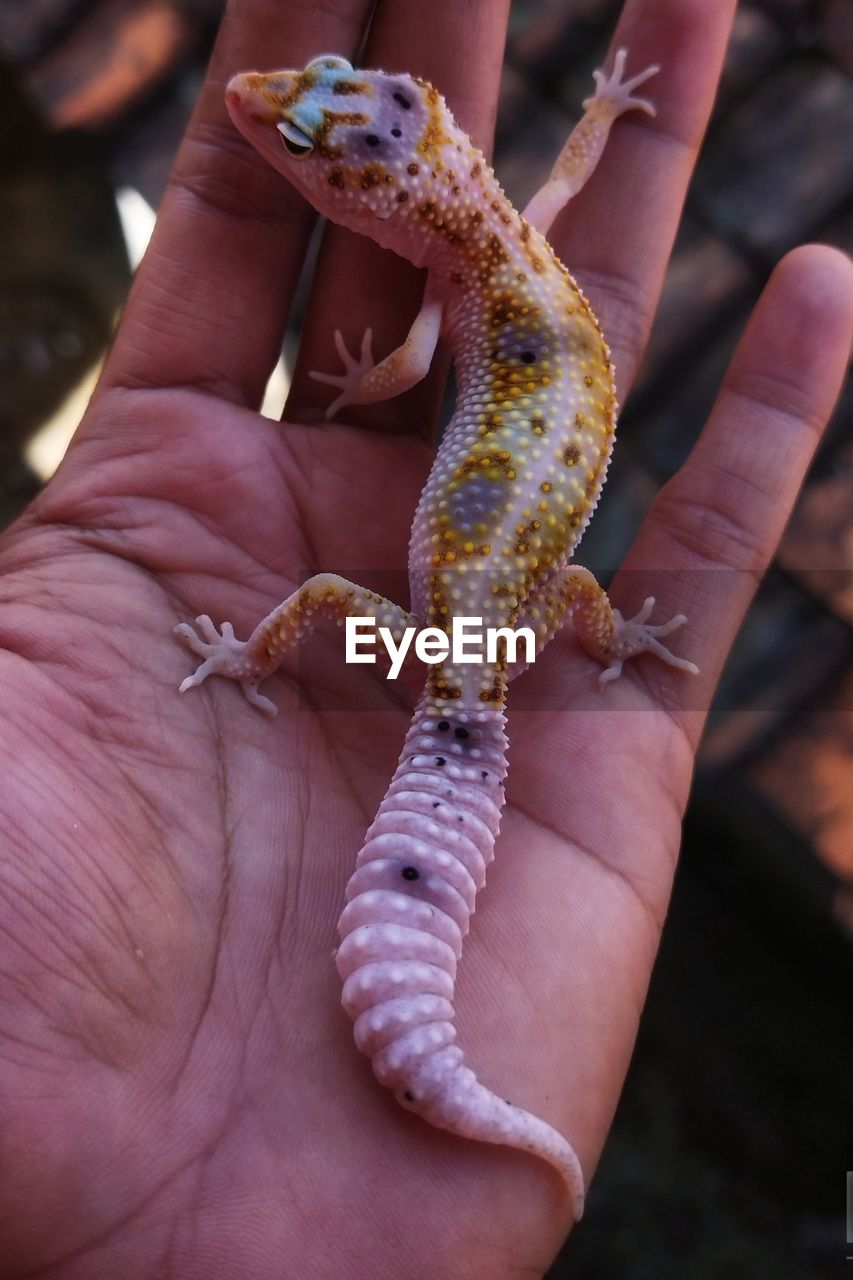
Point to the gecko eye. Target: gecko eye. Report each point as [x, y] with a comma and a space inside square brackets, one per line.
[330, 62]
[295, 141]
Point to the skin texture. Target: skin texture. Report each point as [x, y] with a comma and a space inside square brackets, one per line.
[179, 1091]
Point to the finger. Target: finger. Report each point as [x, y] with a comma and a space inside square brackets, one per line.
[341, 348]
[616, 235]
[717, 523]
[212, 295]
[458, 48]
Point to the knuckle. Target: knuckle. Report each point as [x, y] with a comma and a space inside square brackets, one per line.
[217, 169]
[717, 529]
[623, 306]
[781, 394]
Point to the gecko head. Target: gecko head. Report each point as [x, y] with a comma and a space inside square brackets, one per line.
[353, 142]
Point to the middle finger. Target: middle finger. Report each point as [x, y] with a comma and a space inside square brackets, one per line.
[616, 235]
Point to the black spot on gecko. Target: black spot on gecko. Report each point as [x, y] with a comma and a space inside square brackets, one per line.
[436, 804]
[528, 357]
[443, 725]
[404, 102]
[484, 773]
[461, 732]
[409, 1096]
[396, 133]
[440, 760]
[410, 873]
[372, 140]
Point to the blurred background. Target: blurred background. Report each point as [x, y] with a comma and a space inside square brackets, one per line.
[730, 1149]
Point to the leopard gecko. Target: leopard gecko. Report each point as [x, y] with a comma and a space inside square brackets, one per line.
[514, 482]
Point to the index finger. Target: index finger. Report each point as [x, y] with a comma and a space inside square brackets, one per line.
[617, 234]
[213, 292]
[458, 48]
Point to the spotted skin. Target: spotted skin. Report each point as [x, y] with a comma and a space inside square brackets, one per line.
[513, 485]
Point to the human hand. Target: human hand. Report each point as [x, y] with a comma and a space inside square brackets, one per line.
[180, 1091]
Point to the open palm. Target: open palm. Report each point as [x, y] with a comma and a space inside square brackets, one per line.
[180, 1094]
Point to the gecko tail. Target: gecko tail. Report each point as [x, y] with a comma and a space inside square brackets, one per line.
[410, 1041]
[449, 1096]
[409, 904]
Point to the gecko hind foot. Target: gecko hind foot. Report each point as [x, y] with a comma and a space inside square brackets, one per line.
[355, 369]
[637, 635]
[618, 92]
[224, 655]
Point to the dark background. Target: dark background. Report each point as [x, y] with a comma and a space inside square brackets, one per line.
[730, 1148]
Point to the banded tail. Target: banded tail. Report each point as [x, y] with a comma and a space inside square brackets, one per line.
[409, 904]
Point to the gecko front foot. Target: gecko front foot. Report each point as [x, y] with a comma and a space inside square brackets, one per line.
[224, 655]
[636, 635]
[355, 370]
[617, 94]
